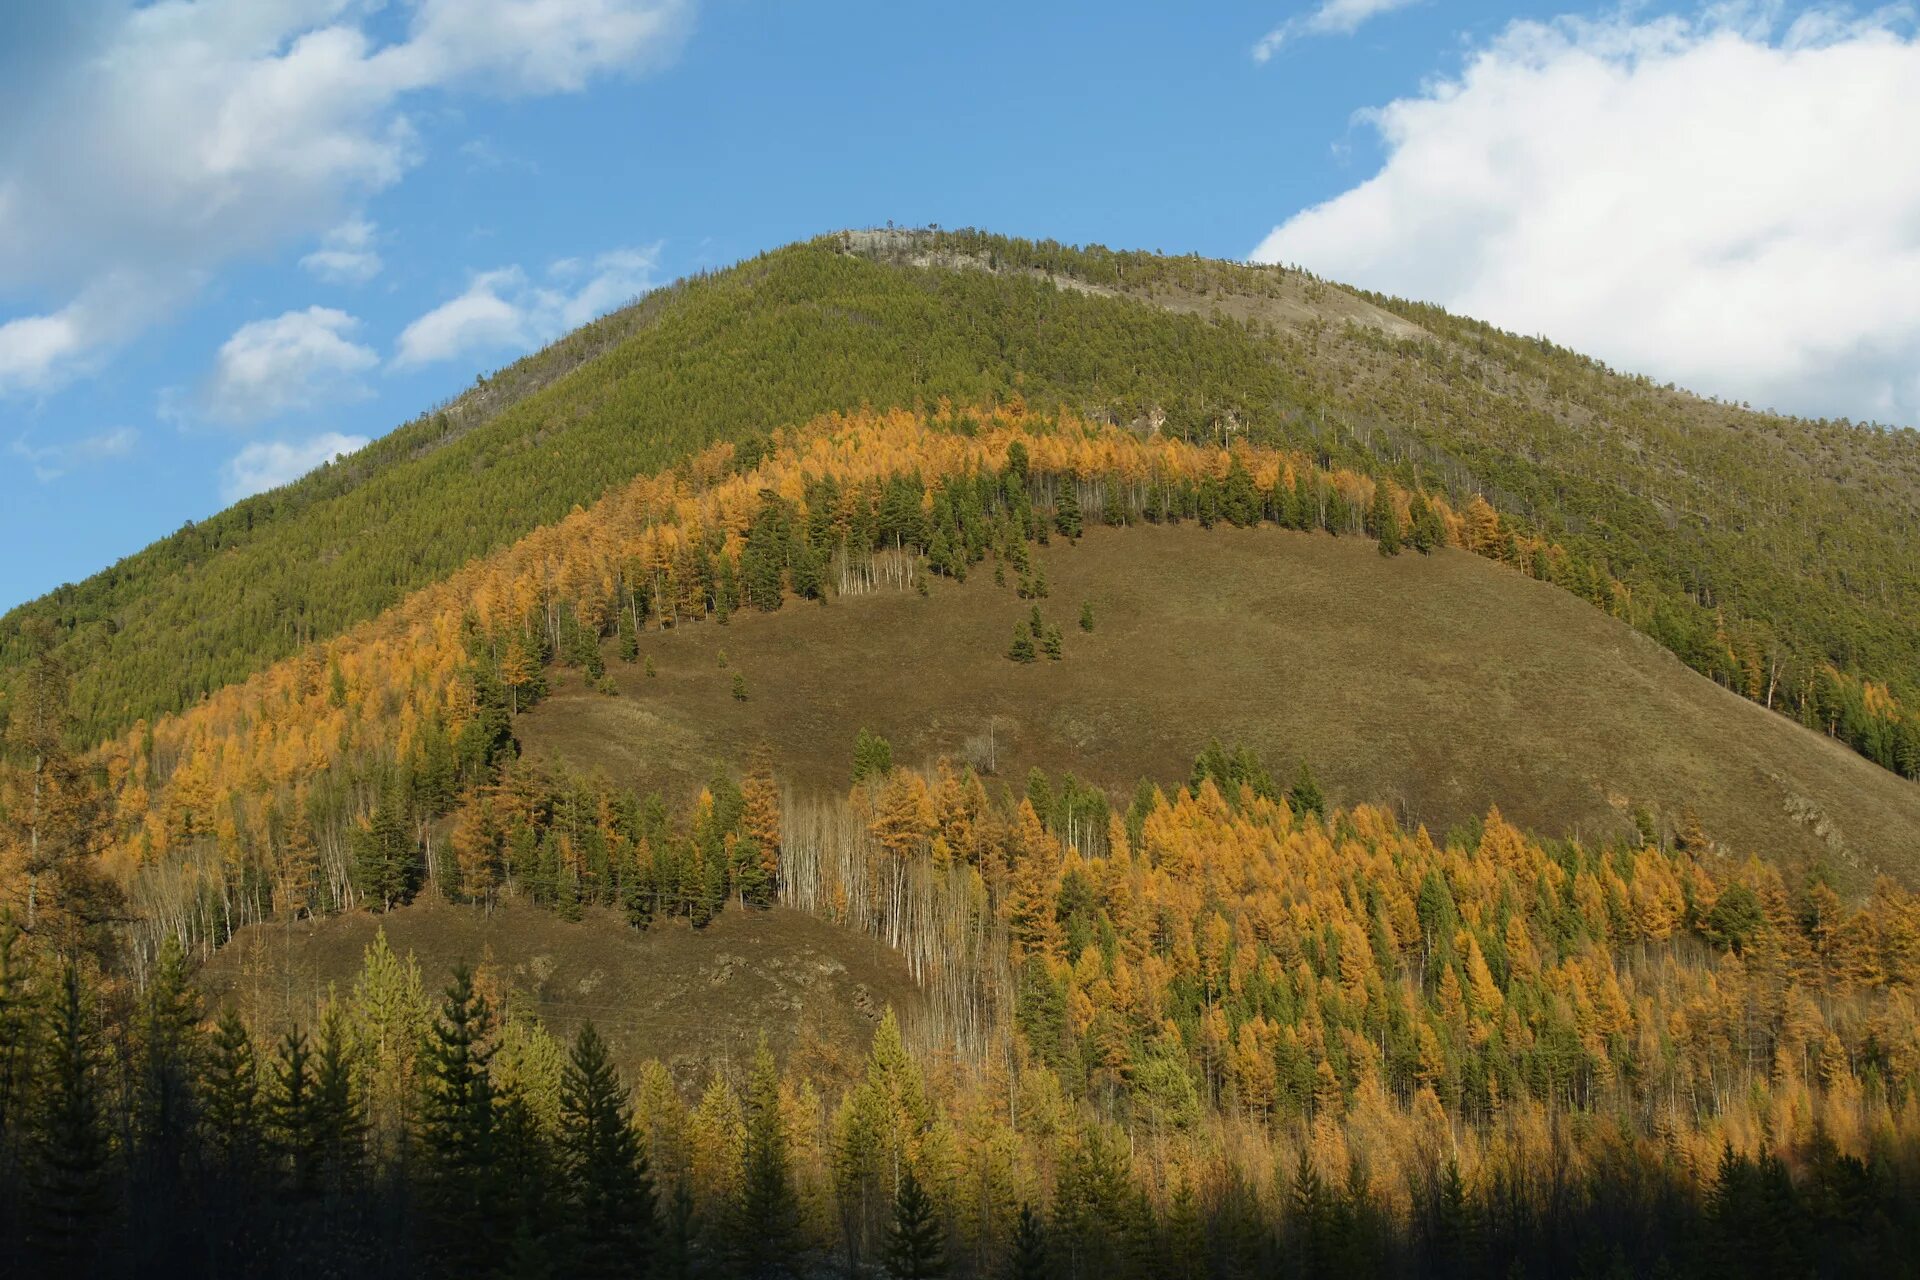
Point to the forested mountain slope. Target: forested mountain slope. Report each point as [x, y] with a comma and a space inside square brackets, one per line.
[1438, 685]
[1773, 554]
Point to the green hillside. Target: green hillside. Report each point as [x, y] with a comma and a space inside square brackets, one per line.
[1758, 548]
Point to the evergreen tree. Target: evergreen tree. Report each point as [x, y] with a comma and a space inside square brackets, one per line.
[1050, 643]
[169, 1057]
[1027, 1254]
[339, 1112]
[69, 1196]
[1385, 520]
[916, 1245]
[765, 1227]
[1066, 512]
[230, 1097]
[1086, 615]
[386, 857]
[456, 1132]
[1022, 648]
[739, 687]
[872, 757]
[1305, 796]
[609, 1190]
[1424, 532]
[293, 1114]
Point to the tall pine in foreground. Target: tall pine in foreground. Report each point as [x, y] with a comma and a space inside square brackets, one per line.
[69, 1194]
[609, 1188]
[764, 1231]
[916, 1245]
[456, 1146]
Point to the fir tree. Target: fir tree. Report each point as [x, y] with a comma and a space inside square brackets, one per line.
[1385, 520]
[230, 1096]
[916, 1244]
[765, 1229]
[1021, 650]
[169, 1054]
[1027, 1254]
[69, 1199]
[609, 1190]
[293, 1111]
[339, 1112]
[1305, 796]
[456, 1146]
[1066, 513]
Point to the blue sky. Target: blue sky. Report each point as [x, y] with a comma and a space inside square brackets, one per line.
[235, 237]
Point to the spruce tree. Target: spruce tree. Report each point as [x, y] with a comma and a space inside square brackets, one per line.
[609, 1190]
[1305, 796]
[168, 1060]
[1066, 512]
[456, 1147]
[1027, 1255]
[1050, 643]
[1384, 520]
[765, 1226]
[69, 1196]
[339, 1111]
[1021, 650]
[230, 1097]
[916, 1244]
[293, 1109]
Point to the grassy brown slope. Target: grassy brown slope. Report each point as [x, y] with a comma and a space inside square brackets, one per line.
[686, 997]
[1441, 685]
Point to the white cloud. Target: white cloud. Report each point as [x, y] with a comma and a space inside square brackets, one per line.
[50, 462]
[267, 465]
[295, 360]
[503, 310]
[39, 353]
[346, 254]
[152, 142]
[1332, 18]
[1704, 201]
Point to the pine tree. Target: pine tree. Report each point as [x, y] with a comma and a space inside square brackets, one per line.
[1066, 515]
[1050, 644]
[916, 1245]
[1385, 520]
[339, 1112]
[1086, 615]
[1027, 1255]
[609, 1190]
[169, 1058]
[230, 1097]
[69, 1200]
[386, 858]
[1022, 648]
[1305, 796]
[1425, 531]
[456, 1147]
[739, 687]
[293, 1110]
[765, 1232]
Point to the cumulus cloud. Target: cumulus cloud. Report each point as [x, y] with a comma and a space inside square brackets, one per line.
[296, 360]
[505, 311]
[50, 462]
[266, 465]
[155, 141]
[1713, 201]
[1333, 18]
[346, 254]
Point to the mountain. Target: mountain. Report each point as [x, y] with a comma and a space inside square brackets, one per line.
[1770, 553]
[1281, 781]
